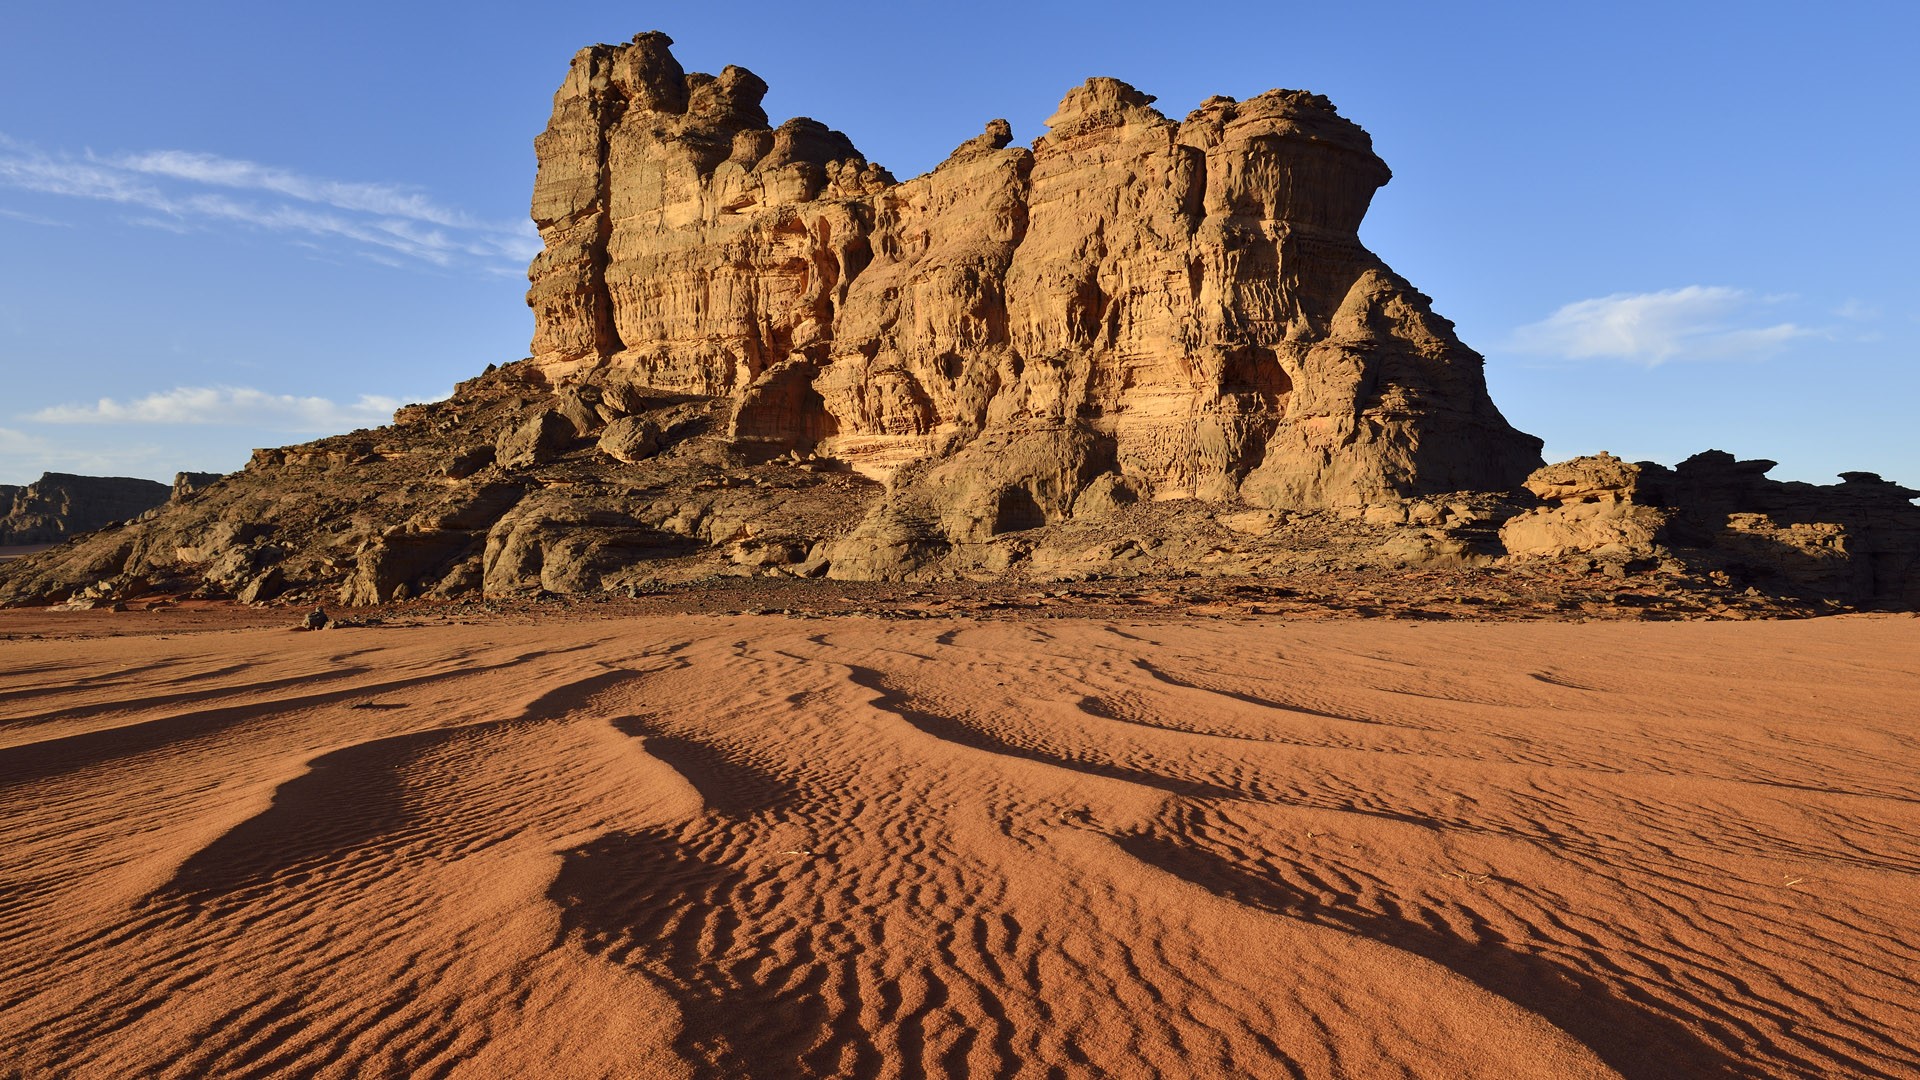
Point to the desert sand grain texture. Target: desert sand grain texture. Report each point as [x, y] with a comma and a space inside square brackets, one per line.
[715, 846]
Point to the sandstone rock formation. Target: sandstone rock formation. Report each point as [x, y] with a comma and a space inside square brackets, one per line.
[1181, 308]
[60, 505]
[188, 484]
[1591, 509]
[1857, 540]
[1137, 348]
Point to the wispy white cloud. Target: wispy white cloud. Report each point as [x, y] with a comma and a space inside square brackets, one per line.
[228, 406]
[389, 200]
[20, 443]
[1698, 322]
[164, 224]
[22, 166]
[375, 219]
[23, 457]
[32, 219]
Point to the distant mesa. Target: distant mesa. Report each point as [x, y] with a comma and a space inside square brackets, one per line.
[62, 505]
[1134, 346]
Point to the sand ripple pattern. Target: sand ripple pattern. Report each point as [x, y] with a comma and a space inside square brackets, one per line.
[738, 847]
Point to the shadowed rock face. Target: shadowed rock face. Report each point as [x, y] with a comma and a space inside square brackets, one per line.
[1185, 306]
[60, 505]
[1857, 540]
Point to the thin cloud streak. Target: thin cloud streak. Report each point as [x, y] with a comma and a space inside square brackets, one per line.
[228, 406]
[1698, 322]
[370, 217]
[23, 457]
[24, 167]
[386, 199]
[33, 219]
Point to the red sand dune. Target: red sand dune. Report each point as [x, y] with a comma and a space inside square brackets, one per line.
[734, 846]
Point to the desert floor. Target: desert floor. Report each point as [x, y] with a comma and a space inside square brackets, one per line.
[764, 846]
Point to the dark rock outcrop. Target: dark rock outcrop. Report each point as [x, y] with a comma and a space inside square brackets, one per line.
[61, 505]
[188, 484]
[1856, 541]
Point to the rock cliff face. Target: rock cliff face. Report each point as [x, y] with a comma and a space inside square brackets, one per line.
[60, 505]
[1169, 309]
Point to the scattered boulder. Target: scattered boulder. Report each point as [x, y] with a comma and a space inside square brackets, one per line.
[263, 587]
[471, 509]
[765, 553]
[395, 565]
[539, 439]
[814, 565]
[566, 545]
[1591, 510]
[1856, 542]
[467, 462]
[218, 540]
[579, 407]
[1252, 522]
[631, 439]
[1103, 496]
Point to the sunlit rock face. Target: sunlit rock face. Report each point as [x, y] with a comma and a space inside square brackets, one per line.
[1184, 307]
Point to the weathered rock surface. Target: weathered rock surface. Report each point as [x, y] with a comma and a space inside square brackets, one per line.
[1591, 510]
[1184, 307]
[540, 439]
[631, 439]
[188, 484]
[1858, 540]
[60, 505]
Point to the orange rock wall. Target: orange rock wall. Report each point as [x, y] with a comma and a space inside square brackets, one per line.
[1190, 299]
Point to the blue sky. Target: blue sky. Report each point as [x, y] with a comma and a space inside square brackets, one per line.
[1668, 226]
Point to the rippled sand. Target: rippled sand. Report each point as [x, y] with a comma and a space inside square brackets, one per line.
[736, 846]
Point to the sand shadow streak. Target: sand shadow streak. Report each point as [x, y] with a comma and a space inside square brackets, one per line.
[1631, 1036]
[345, 802]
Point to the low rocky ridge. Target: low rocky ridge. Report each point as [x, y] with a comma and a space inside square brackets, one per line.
[510, 492]
[1137, 351]
[1857, 541]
